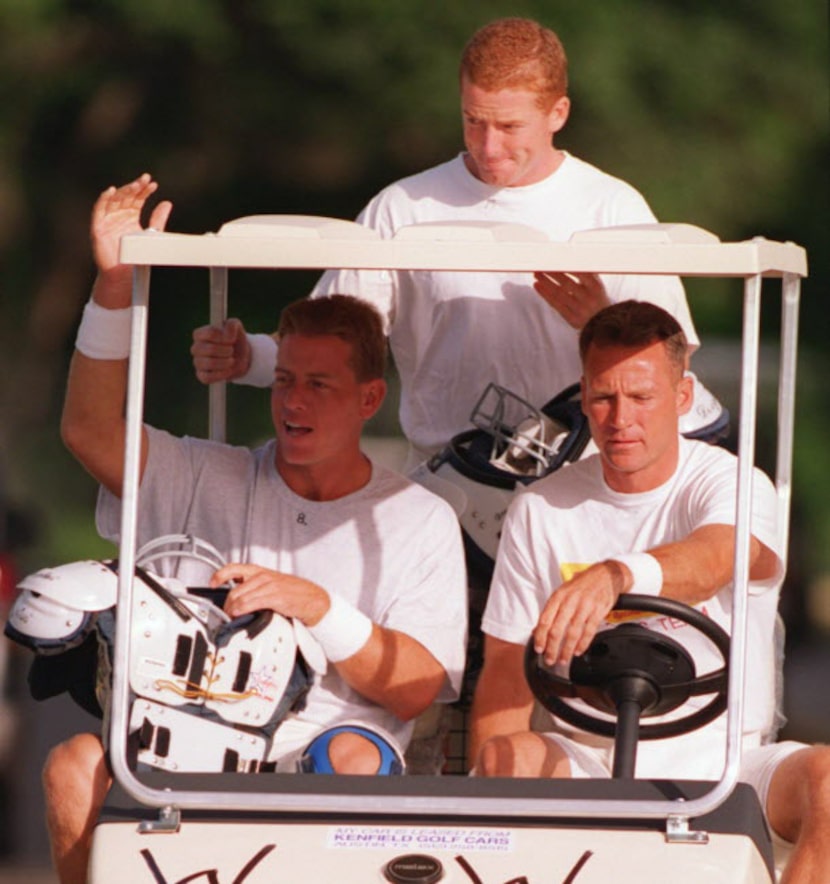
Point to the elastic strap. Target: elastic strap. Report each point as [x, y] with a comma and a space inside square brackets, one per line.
[316, 759]
[343, 630]
[103, 333]
[646, 571]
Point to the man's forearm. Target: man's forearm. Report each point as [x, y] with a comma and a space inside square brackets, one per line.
[395, 671]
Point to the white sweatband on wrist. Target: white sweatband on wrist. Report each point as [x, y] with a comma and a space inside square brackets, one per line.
[103, 333]
[342, 631]
[646, 571]
[260, 372]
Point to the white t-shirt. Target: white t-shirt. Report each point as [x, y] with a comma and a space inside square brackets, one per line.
[392, 549]
[572, 519]
[451, 333]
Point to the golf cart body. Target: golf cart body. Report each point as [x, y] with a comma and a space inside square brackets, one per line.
[222, 828]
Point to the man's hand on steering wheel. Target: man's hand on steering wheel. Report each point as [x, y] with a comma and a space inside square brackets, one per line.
[575, 611]
[631, 651]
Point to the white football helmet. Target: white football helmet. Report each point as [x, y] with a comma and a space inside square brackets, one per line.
[513, 444]
[56, 607]
[186, 654]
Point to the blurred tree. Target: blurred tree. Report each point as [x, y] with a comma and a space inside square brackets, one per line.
[718, 112]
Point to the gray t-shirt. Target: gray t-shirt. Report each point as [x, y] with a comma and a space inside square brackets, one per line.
[392, 548]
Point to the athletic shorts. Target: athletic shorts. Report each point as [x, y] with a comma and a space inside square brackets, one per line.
[757, 766]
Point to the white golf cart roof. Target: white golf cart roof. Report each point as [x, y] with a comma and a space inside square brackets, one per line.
[303, 242]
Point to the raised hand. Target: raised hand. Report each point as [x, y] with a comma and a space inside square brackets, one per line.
[117, 212]
[575, 296]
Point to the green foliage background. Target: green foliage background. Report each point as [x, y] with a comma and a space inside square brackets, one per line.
[717, 111]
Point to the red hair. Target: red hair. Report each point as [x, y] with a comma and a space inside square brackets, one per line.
[517, 53]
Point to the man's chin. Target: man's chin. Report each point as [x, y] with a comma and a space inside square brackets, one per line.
[625, 458]
[293, 453]
[498, 178]
[495, 176]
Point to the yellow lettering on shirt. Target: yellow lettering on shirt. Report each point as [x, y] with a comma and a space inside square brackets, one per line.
[569, 570]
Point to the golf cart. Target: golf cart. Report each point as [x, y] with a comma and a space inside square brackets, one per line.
[163, 826]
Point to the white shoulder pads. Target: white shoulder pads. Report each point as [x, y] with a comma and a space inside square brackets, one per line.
[485, 507]
[169, 649]
[251, 672]
[184, 651]
[56, 606]
[310, 648]
[170, 739]
[81, 586]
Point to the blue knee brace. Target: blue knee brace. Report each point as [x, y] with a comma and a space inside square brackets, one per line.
[316, 759]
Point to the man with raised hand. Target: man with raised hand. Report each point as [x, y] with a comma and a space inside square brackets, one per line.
[314, 530]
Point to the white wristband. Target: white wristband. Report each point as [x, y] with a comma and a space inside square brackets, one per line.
[103, 333]
[260, 373]
[646, 571]
[342, 631]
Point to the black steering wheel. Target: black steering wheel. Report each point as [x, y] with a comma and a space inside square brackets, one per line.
[632, 672]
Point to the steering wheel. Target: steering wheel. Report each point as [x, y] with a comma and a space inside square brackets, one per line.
[632, 672]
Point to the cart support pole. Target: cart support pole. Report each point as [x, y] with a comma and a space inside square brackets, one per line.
[217, 403]
[129, 522]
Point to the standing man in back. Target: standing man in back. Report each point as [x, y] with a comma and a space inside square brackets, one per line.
[452, 333]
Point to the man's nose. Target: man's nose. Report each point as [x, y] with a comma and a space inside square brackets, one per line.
[292, 397]
[491, 141]
[621, 412]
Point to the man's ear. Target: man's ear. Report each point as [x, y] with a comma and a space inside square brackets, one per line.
[685, 394]
[559, 113]
[372, 394]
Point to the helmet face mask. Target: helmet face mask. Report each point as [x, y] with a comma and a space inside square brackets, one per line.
[512, 444]
[525, 440]
[165, 554]
[528, 441]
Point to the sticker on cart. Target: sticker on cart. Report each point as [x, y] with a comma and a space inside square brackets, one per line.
[421, 838]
